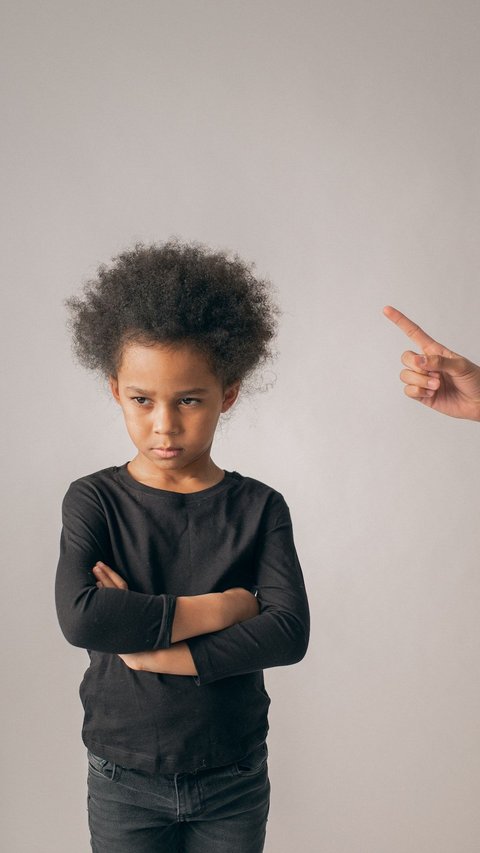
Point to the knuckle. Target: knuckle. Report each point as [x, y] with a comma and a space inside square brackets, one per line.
[412, 330]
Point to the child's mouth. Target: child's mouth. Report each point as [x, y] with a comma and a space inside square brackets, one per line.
[167, 452]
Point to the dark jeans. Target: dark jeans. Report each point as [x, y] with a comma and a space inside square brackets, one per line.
[221, 810]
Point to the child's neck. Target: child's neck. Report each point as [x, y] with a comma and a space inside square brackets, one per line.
[195, 479]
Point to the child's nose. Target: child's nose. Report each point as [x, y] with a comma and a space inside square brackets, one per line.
[166, 422]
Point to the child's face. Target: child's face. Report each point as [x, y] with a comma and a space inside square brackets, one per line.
[171, 402]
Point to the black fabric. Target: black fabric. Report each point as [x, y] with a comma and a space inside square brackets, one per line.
[236, 533]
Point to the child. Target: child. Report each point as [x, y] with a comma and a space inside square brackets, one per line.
[160, 558]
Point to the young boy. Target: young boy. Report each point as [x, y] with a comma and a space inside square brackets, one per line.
[180, 579]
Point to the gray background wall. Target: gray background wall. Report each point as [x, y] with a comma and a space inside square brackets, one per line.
[336, 144]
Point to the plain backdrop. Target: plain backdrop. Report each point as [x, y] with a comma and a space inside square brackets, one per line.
[336, 144]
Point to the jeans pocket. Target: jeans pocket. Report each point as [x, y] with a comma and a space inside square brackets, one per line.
[252, 763]
[98, 766]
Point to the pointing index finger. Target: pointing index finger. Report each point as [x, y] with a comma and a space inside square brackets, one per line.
[412, 330]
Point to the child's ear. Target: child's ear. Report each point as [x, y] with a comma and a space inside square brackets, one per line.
[114, 388]
[230, 395]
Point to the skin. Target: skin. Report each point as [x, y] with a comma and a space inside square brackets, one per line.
[156, 388]
[441, 379]
[171, 398]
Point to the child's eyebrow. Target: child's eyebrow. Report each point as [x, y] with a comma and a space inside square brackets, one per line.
[144, 393]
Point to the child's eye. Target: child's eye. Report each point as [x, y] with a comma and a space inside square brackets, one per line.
[141, 401]
[189, 402]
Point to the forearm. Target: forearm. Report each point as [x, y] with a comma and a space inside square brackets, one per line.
[113, 620]
[107, 617]
[279, 635]
[203, 614]
[104, 619]
[195, 615]
[274, 638]
[270, 639]
[177, 660]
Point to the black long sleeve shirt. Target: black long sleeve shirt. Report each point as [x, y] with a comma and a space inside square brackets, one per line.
[165, 544]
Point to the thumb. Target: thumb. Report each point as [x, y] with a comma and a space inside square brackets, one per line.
[454, 365]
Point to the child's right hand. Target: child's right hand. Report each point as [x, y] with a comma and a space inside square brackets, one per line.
[440, 379]
[107, 578]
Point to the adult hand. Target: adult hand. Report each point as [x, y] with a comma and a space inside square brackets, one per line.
[440, 379]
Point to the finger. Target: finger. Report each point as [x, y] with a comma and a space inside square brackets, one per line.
[436, 365]
[414, 361]
[417, 393]
[112, 576]
[102, 578]
[412, 330]
[420, 380]
[452, 365]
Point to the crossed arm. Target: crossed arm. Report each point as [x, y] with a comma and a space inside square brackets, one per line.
[211, 636]
[194, 615]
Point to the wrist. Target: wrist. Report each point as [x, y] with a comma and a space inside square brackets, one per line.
[198, 614]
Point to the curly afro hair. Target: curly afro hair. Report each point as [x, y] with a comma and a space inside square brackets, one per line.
[175, 293]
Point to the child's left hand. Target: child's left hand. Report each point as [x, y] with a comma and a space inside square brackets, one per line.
[107, 578]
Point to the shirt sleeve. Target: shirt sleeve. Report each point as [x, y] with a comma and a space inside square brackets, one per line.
[279, 635]
[103, 620]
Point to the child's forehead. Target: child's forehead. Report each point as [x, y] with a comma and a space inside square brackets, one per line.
[164, 364]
